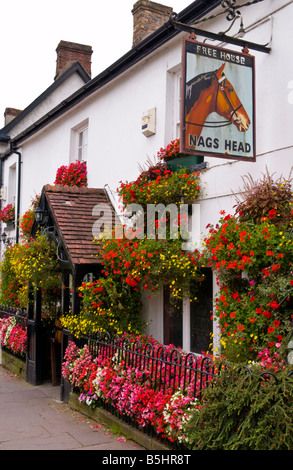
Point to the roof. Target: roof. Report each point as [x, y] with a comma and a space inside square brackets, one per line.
[195, 11]
[71, 209]
[75, 68]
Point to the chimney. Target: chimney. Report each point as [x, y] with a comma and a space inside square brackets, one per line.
[10, 114]
[147, 17]
[68, 53]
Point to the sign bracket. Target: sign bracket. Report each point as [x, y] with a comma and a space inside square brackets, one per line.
[220, 37]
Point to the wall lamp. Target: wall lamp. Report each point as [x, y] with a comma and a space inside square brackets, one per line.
[241, 32]
[40, 215]
[5, 238]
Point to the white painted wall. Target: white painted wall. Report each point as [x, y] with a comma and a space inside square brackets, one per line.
[116, 144]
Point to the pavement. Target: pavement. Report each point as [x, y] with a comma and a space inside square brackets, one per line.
[34, 418]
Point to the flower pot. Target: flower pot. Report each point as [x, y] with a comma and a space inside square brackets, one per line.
[183, 161]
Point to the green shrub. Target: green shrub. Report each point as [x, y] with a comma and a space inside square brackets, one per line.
[245, 412]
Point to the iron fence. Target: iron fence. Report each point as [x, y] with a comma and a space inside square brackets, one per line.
[164, 368]
[20, 314]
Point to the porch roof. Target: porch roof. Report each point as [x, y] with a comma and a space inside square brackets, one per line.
[71, 210]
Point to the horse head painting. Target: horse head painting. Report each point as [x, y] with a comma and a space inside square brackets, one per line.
[212, 92]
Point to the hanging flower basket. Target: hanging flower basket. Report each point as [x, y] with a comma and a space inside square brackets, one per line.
[75, 174]
[7, 214]
[176, 160]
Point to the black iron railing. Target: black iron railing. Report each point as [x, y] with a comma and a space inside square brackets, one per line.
[20, 314]
[166, 369]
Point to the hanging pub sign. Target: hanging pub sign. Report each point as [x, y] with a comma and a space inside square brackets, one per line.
[218, 117]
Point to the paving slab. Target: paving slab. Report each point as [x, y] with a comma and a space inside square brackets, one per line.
[34, 418]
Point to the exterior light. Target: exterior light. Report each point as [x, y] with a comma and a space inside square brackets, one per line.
[241, 31]
[4, 237]
[39, 215]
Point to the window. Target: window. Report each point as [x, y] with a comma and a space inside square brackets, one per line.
[173, 104]
[172, 320]
[79, 142]
[12, 184]
[82, 145]
[201, 323]
[189, 325]
[177, 105]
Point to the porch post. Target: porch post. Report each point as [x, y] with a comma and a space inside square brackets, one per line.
[76, 283]
[34, 352]
[65, 293]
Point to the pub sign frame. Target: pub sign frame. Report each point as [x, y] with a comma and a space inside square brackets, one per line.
[218, 102]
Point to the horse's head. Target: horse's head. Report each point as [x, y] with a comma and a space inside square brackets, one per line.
[228, 104]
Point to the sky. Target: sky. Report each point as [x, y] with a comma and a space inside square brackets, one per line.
[31, 30]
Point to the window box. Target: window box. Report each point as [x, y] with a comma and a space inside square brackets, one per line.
[183, 161]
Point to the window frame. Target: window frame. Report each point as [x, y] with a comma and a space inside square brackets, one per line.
[78, 150]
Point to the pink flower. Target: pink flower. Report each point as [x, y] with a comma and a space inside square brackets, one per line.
[74, 174]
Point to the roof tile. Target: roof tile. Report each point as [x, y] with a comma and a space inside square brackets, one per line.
[72, 210]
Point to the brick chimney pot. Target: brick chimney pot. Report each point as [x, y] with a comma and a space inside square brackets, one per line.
[70, 52]
[148, 17]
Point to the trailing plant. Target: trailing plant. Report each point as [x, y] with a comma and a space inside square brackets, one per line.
[107, 305]
[137, 262]
[10, 284]
[30, 264]
[27, 220]
[35, 262]
[253, 263]
[149, 264]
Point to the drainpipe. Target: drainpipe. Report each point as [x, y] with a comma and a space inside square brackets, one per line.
[18, 192]
[3, 139]
[1, 180]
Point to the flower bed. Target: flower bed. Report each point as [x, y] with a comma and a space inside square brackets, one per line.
[130, 391]
[13, 336]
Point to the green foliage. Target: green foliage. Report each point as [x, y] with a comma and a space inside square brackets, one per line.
[10, 284]
[150, 264]
[265, 197]
[159, 185]
[31, 263]
[135, 262]
[27, 220]
[107, 306]
[243, 412]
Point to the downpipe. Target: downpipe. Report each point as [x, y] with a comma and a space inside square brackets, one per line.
[18, 193]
